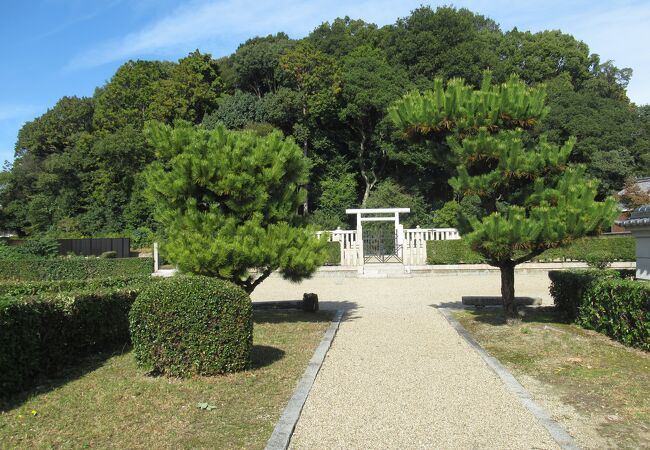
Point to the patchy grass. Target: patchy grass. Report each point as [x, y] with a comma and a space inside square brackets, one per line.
[106, 402]
[603, 380]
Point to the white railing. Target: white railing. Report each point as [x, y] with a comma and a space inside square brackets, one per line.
[413, 241]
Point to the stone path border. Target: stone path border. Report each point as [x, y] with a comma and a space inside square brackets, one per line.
[557, 432]
[284, 428]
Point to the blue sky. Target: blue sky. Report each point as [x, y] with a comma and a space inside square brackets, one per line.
[53, 48]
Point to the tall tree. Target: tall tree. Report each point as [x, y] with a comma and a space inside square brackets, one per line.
[343, 35]
[447, 43]
[126, 99]
[315, 78]
[191, 91]
[370, 84]
[256, 63]
[538, 57]
[227, 202]
[531, 198]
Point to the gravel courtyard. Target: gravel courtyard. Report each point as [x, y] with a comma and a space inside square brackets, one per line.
[399, 376]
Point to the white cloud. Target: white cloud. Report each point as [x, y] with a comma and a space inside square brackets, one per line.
[199, 22]
[615, 30]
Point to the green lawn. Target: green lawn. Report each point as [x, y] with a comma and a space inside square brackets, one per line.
[106, 402]
[602, 379]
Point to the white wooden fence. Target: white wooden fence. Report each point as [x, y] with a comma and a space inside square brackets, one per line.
[414, 244]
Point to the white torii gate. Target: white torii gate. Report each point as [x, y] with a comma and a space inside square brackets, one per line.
[387, 215]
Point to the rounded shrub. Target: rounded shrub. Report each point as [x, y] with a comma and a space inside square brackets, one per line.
[188, 325]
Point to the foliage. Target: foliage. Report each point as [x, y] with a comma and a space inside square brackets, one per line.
[75, 268]
[257, 63]
[454, 214]
[43, 246]
[44, 333]
[389, 194]
[452, 252]
[445, 43]
[370, 84]
[567, 288]
[32, 288]
[602, 301]
[333, 254]
[338, 191]
[79, 166]
[531, 198]
[227, 201]
[186, 326]
[235, 111]
[632, 197]
[620, 309]
[598, 250]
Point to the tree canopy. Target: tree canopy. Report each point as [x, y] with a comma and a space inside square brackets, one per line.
[78, 168]
[227, 201]
[531, 198]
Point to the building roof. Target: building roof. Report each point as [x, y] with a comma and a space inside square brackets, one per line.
[639, 218]
[643, 183]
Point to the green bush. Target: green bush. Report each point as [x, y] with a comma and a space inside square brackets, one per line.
[43, 246]
[41, 334]
[620, 309]
[184, 325]
[73, 268]
[109, 255]
[31, 288]
[599, 251]
[568, 286]
[333, 254]
[603, 301]
[452, 252]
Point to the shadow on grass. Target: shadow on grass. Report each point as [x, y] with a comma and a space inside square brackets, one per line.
[493, 315]
[264, 355]
[63, 376]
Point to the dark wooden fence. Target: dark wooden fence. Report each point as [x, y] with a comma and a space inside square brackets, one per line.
[96, 246]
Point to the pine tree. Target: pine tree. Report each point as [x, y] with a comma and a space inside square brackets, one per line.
[227, 202]
[531, 198]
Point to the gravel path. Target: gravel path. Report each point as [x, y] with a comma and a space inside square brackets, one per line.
[399, 376]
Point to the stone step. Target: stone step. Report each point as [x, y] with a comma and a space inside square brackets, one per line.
[388, 270]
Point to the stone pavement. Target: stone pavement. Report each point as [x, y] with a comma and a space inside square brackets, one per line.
[399, 376]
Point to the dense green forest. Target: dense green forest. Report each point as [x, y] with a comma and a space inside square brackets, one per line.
[78, 167]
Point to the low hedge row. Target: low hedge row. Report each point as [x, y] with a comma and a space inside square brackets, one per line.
[73, 268]
[592, 249]
[606, 302]
[184, 325]
[29, 288]
[44, 333]
[333, 254]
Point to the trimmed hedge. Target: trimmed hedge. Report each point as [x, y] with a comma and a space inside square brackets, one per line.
[333, 254]
[73, 268]
[603, 301]
[592, 249]
[42, 334]
[189, 325]
[31, 288]
[620, 309]
[452, 252]
[567, 287]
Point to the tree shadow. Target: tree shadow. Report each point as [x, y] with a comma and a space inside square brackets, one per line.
[264, 355]
[47, 383]
[291, 311]
[494, 315]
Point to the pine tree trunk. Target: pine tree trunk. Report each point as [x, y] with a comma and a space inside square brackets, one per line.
[508, 291]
